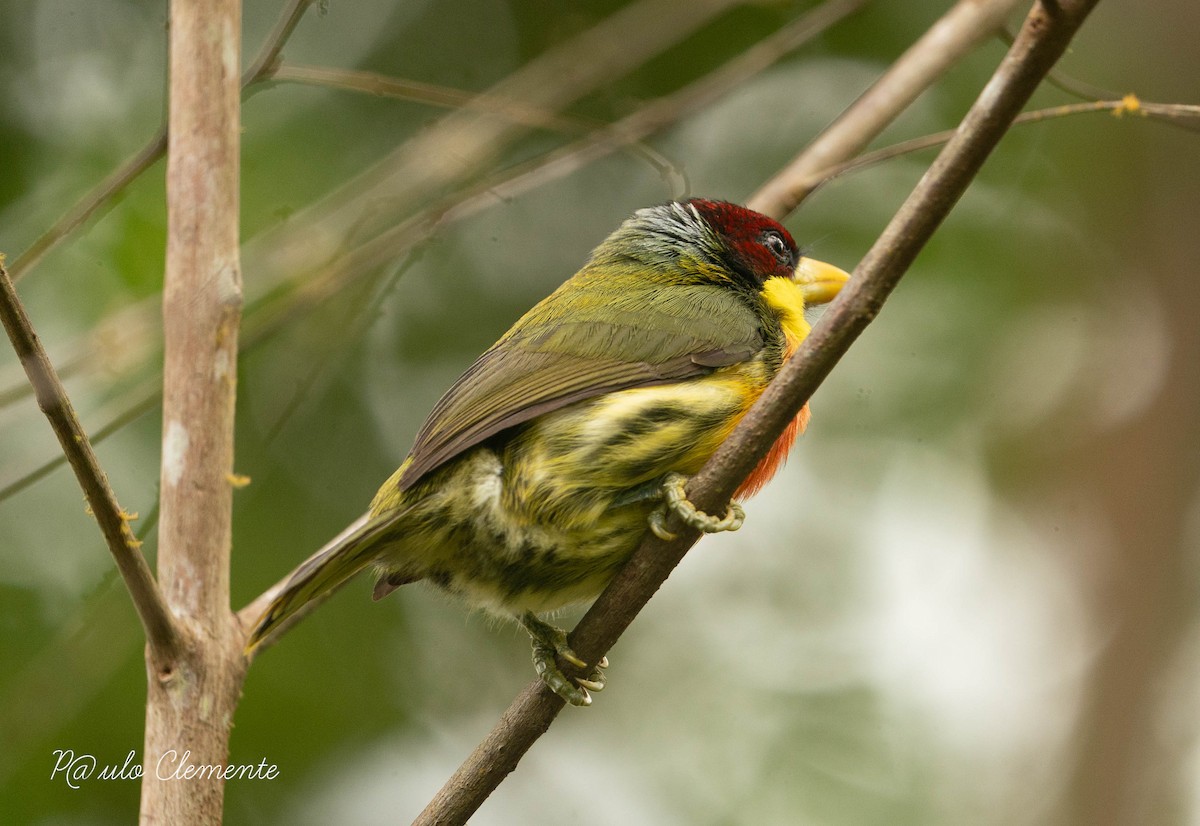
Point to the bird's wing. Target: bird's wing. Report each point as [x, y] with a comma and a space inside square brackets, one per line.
[561, 353]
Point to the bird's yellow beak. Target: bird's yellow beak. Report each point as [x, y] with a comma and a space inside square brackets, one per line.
[820, 282]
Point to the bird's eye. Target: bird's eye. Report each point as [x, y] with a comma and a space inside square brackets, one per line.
[775, 243]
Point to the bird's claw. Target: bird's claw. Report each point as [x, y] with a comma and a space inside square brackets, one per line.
[675, 501]
[550, 643]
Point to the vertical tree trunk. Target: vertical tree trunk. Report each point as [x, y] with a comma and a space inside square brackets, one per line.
[191, 695]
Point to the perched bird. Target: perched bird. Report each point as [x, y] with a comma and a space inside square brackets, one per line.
[538, 472]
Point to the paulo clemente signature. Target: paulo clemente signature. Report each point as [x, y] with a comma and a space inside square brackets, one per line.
[75, 769]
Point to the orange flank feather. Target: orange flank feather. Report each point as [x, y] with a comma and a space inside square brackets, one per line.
[777, 455]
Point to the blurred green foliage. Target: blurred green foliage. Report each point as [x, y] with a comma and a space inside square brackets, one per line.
[914, 625]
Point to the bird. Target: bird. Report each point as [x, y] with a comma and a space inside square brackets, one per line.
[537, 473]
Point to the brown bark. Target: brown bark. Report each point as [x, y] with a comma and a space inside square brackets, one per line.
[191, 697]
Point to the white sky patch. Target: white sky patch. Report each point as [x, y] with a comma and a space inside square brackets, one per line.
[979, 626]
[393, 779]
[1102, 365]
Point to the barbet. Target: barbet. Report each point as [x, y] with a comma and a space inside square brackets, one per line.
[538, 472]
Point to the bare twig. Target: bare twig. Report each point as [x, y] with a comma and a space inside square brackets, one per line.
[1128, 105]
[433, 94]
[149, 154]
[1045, 35]
[143, 405]
[268, 56]
[459, 145]
[162, 632]
[104, 192]
[516, 111]
[658, 114]
[966, 25]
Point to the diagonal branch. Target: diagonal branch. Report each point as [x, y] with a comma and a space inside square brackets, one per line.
[272, 49]
[1043, 38]
[966, 25]
[1177, 113]
[162, 632]
[453, 149]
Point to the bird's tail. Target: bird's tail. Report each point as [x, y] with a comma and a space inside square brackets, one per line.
[322, 574]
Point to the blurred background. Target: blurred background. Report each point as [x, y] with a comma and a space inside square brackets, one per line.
[972, 595]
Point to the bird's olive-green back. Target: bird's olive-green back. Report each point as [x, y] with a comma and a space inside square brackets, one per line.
[613, 326]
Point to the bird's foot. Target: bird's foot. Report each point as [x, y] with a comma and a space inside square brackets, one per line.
[675, 501]
[549, 643]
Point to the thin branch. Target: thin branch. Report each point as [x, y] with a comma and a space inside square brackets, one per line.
[516, 111]
[1089, 91]
[966, 25]
[162, 632]
[456, 147]
[149, 154]
[145, 404]
[433, 94]
[1043, 38]
[268, 56]
[1128, 105]
[662, 112]
[86, 207]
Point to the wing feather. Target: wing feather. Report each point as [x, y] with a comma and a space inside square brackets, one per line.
[550, 359]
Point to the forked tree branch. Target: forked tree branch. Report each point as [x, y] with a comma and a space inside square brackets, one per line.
[162, 632]
[1043, 38]
[190, 701]
[272, 49]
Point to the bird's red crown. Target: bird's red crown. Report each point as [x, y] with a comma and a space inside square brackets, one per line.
[761, 243]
